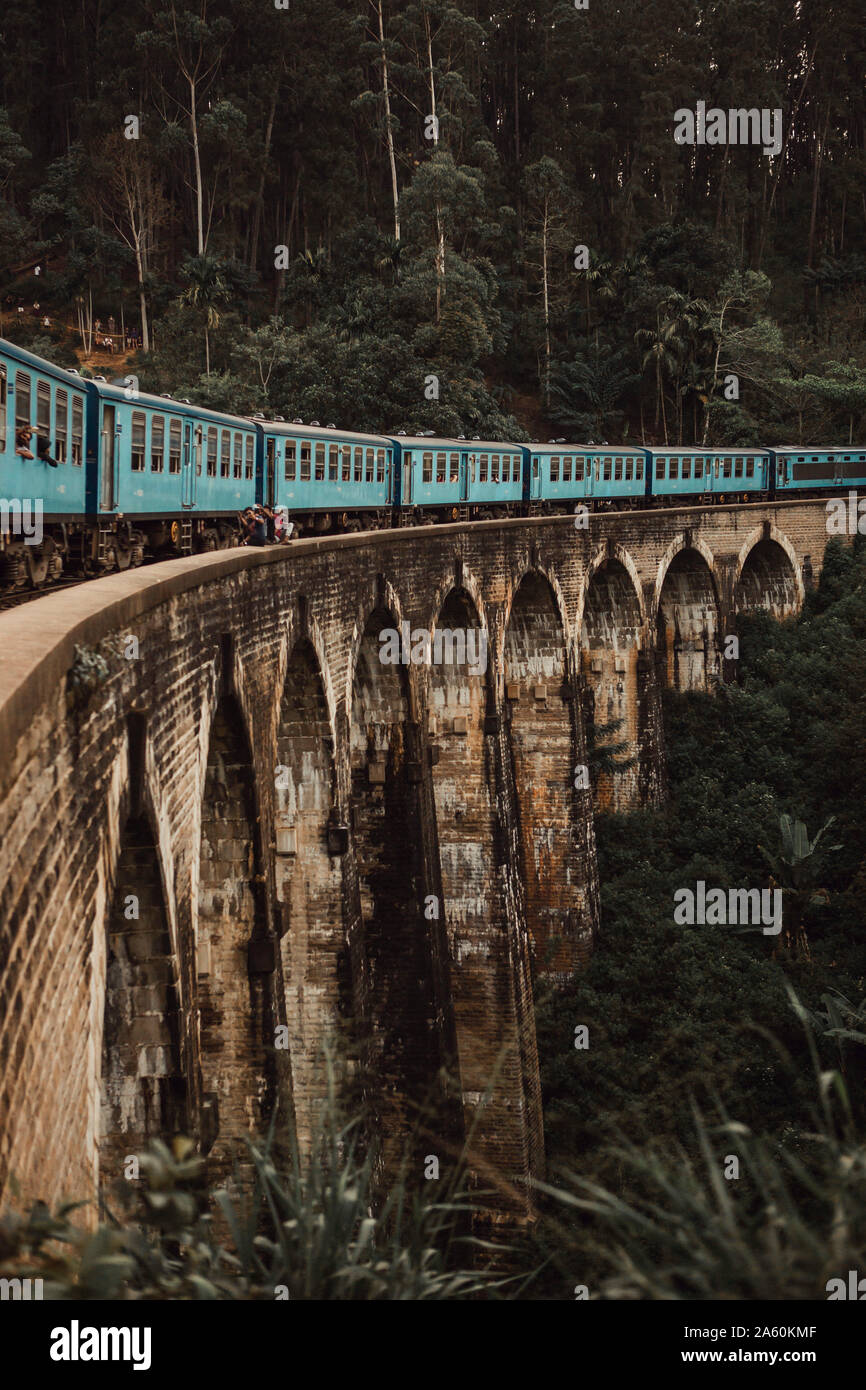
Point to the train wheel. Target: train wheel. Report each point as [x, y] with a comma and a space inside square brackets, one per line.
[13, 568]
[38, 562]
[209, 540]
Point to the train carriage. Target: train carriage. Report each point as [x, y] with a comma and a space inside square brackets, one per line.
[443, 479]
[330, 479]
[164, 473]
[50, 402]
[680, 473]
[562, 474]
[817, 468]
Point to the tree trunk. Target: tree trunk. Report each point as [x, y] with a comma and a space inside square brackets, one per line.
[199, 196]
[389, 134]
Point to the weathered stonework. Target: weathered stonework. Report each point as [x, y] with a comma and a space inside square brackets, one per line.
[322, 843]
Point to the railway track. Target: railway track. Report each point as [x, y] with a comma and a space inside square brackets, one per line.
[15, 600]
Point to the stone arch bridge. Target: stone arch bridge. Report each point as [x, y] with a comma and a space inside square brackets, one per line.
[230, 831]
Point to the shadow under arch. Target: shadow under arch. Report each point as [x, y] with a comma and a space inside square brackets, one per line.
[542, 741]
[609, 644]
[687, 621]
[396, 945]
[308, 881]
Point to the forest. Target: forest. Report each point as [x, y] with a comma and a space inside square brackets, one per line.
[312, 209]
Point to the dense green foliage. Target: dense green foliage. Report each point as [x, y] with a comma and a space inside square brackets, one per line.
[685, 1014]
[294, 233]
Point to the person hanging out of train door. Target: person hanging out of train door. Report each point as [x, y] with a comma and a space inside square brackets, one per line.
[43, 446]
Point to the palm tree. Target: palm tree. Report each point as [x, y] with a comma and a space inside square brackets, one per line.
[206, 291]
[795, 867]
[664, 346]
[601, 383]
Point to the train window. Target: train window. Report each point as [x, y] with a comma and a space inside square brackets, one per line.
[238, 456]
[482, 468]
[320, 463]
[617, 470]
[660, 468]
[22, 401]
[674, 471]
[687, 468]
[77, 430]
[157, 443]
[359, 465]
[629, 469]
[427, 468]
[138, 441]
[175, 430]
[61, 426]
[380, 465]
[225, 454]
[738, 468]
[211, 450]
[346, 469]
[566, 462]
[43, 409]
[578, 470]
[608, 470]
[638, 472]
[441, 466]
[291, 460]
[494, 468]
[454, 463]
[728, 466]
[699, 468]
[306, 455]
[750, 468]
[333, 463]
[368, 474]
[554, 468]
[248, 457]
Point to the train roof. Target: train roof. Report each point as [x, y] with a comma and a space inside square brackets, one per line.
[39, 364]
[119, 391]
[294, 431]
[713, 449]
[818, 448]
[432, 441]
[553, 446]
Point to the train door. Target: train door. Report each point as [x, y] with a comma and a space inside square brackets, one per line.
[271, 473]
[709, 465]
[407, 478]
[535, 484]
[187, 484]
[837, 469]
[464, 477]
[588, 476]
[107, 492]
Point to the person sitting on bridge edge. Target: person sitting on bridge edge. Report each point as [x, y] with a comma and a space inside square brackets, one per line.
[254, 528]
[22, 443]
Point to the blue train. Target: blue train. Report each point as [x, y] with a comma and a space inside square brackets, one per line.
[117, 476]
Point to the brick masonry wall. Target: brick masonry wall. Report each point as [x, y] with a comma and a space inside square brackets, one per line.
[119, 731]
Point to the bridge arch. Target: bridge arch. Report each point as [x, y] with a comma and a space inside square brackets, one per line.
[768, 574]
[231, 911]
[687, 614]
[392, 945]
[610, 638]
[542, 743]
[307, 880]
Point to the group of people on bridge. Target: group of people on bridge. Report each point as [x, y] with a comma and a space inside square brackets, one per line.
[262, 525]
